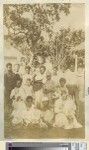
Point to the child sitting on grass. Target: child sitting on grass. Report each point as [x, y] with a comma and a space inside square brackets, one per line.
[18, 111]
[32, 116]
[65, 112]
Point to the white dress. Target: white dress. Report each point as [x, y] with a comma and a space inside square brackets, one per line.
[71, 77]
[61, 121]
[69, 110]
[60, 118]
[22, 70]
[32, 115]
[39, 94]
[48, 116]
[28, 90]
[16, 92]
[65, 114]
[18, 112]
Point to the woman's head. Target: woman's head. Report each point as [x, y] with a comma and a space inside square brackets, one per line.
[19, 98]
[45, 102]
[19, 82]
[16, 67]
[29, 101]
[62, 81]
[42, 69]
[9, 67]
[55, 70]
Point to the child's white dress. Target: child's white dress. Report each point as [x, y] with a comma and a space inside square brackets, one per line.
[28, 91]
[65, 114]
[60, 118]
[48, 116]
[39, 93]
[32, 116]
[18, 112]
[18, 92]
[69, 110]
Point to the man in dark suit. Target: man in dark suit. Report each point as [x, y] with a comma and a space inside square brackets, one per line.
[9, 83]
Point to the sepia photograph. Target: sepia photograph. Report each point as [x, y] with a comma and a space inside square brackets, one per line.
[44, 70]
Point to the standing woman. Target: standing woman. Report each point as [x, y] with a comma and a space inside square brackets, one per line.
[39, 80]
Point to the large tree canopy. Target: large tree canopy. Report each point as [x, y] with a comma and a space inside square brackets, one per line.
[28, 30]
[25, 24]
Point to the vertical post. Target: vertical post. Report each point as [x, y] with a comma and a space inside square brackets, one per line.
[76, 63]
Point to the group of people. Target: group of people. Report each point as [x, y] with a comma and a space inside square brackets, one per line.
[43, 96]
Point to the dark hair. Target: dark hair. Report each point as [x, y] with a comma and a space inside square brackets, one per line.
[62, 80]
[28, 67]
[8, 64]
[29, 97]
[43, 67]
[19, 79]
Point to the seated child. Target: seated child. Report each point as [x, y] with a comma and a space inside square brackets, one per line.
[65, 112]
[69, 109]
[32, 115]
[60, 118]
[47, 112]
[19, 108]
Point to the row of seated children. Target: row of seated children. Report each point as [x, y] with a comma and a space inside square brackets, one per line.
[56, 112]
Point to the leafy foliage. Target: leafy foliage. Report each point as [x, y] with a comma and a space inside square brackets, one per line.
[66, 43]
[25, 33]
[28, 30]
